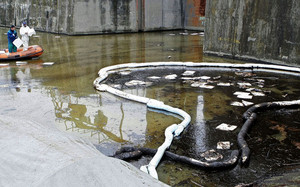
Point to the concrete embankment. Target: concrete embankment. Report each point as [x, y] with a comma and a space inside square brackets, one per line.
[103, 16]
[266, 31]
[34, 154]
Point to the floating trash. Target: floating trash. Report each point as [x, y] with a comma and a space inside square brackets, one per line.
[188, 73]
[261, 80]
[172, 34]
[169, 57]
[4, 64]
[244, 96]
[154, 77]
[194, 34]
[204, 77]
[217, 77]
[246, 103]
[195, 84]
[226, 127]
[57, 37]
[171, 77]
[187, 78]
[36, 36]
[241, 93]
[258, 94]
[244, 84]
[125, 72]
[223, 145]
[201, 33]
[184, 33]
[211, 155]
[48, 63]
[224, 84]
[206, 86]
[137, 82]
[117, 86]
[21, 63]
[236, 103]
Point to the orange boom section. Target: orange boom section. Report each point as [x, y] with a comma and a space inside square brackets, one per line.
[33, 51]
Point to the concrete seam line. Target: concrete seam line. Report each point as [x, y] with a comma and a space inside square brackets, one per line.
[173, 130]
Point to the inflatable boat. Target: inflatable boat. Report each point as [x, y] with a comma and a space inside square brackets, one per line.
[33, 51]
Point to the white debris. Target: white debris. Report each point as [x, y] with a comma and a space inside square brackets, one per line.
[244, 84]
[48, 63]
[258, 94]
[224, 84]
[244, 96]
[172, 34]
[171, 77]
[235, 103]
[201, 33]
[246, 103]
[261, 80]
[36, 36]
[223, 145]
[188, 73]
[194, 34]
[204, 77]
[226, 127]
[169, 57]
[241, 93]
[57, 37]
[187, 78]
[184, 33]
[250, 89]
[206, 86]
[21, 63]
[137, 82]
[117, 86]
[154, 77]
[211, 155]
[4, 64]
[195, 84]
[125, 72]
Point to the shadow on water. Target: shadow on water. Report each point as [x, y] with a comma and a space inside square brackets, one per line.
[63, 94]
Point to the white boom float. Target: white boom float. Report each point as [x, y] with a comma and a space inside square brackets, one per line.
[175, 129]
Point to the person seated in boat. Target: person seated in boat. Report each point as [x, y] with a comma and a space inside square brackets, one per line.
[11, 36]
[24, 30]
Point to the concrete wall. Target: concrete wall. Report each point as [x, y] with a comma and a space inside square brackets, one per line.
[267, 30]
[194, 14]
[102, 16]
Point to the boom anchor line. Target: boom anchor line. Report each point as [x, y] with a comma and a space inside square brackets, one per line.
[176, 129]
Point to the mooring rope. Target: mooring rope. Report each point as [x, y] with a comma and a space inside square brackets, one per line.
[176, 129]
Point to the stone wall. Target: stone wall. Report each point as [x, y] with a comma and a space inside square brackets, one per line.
[267, 30]
[75, 17]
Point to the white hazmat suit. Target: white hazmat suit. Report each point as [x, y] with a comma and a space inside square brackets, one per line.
[25, 37]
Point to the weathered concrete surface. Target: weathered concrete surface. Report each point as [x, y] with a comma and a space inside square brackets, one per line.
[104, 16]
[194, 14]
[34, 154]
[259, 30]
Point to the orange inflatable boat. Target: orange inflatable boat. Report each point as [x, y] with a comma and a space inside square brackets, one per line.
[33, 51]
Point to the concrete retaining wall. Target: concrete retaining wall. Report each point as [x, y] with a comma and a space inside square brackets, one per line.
[104, 16]
[266, 30]
[194, 14]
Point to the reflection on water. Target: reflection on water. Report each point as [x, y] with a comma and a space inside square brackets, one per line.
[63, 94]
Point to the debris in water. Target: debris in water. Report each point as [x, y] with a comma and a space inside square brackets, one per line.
[172, 34]
[154, 77]
[236, 103]
[4, 64]
[171, 77]
[206, 86]
[127, 72]
[223, 145]
[204, 77]
[194, 34]
[246, 103]
[137, 82]
[224, 84]
[169, 57]
[258, 94]
[48, 63]
[211, 155]
[226, 127]
[57, 37]
[21, 63]
[243, 95]
[217, 77]
[244, 84]
[36, 36]
[188, 73]
[117, 86]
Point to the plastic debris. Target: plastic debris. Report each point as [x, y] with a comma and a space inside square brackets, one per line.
[244, 84]
[246, 103]
[117, 86]
[258, 94]
[211, 155]
[217, 77]
[206, 86]
[188, 73]
[137, 82]
[194, 34]
[243, 95]
[169, 57]
[236, 103]
[154, 77]
[21, 63]
[171, 77]
[125, 72]
[226, 127]
[224, 84]
[48, 63]
[172, 34]
[4, 64]
[57, 37]
[204, 77]
[36, 36]
[223, 145]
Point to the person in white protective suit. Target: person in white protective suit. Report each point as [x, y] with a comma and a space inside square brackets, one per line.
[25, 36]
